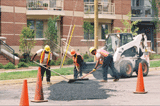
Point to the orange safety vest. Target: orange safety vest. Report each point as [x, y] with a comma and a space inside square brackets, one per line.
[75, 59]
[42, 57]
[104, 53]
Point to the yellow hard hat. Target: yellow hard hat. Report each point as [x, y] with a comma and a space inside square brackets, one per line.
[47, 48]
[91, 49]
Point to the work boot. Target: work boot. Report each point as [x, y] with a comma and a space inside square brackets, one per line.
[49, 83]
[115, 80]
[103, 81]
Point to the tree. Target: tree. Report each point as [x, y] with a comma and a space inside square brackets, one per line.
[128, 26]
[27, 41]
[51, 33]
[155, 6]
[89, 31]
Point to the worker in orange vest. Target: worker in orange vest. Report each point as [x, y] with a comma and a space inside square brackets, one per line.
[45, 58]
[104, 58]
[78, 62]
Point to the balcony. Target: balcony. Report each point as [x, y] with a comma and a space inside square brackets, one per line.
[142, 11]
[103, 8]
[45, 5]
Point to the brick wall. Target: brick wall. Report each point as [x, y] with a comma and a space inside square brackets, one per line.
[69, 5]
[12, 21]
[122, 7]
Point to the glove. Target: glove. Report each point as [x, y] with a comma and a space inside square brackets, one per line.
[94, 70]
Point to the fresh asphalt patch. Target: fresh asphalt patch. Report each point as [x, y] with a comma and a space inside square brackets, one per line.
[79, 90]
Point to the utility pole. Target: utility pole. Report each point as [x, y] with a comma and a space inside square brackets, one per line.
[95, 25]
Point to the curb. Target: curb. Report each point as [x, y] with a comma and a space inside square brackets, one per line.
[54, 79]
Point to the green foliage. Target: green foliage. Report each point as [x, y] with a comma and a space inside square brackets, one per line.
[27, 41]
[52, 62]
[128, 25]
[51, 33]
[156, 56]
[88, 29]
[22, 64]
[37, 61]
[9, 66]
[85, 56]
[22, 60]
[1, 65]
[155, 6]
[68, 61]
[58, 62]
[32, 64]
[151, 56]
[90, 59]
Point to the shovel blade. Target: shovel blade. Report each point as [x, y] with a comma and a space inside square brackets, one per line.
[73, 80]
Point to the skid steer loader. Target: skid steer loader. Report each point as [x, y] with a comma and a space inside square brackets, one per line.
[127, 51]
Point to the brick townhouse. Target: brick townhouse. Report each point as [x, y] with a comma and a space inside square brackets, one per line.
[15, 14]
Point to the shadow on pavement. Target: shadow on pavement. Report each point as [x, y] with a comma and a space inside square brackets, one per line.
[79, 90]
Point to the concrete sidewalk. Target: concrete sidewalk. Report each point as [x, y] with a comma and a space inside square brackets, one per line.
[30, 68]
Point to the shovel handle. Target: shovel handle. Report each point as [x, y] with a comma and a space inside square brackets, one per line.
[51, 70]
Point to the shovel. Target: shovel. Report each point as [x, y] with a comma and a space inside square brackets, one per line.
[69, 80]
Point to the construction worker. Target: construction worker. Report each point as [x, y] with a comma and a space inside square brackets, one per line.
[45, 58]
[78, 62]
[104, 58]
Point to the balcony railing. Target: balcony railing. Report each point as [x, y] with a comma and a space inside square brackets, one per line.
[142, 11]
[103, 8]
[45, 4]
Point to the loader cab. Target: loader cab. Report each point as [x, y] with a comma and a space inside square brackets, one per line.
[115, 40]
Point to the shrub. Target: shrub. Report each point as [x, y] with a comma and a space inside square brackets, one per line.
[151, 56]
[91, 59]
[1, 65]
[58, 61]
[32, 64]
[68, 61]
[38, 61]
[85, 56]
[22, 60]
[9, 66]
[22, 64]
[52, 62]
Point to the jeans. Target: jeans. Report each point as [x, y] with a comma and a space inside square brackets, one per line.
[108, 61]
[48, 73]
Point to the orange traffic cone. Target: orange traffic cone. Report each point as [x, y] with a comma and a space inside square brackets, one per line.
[39, 90]
[24, 101]
[140, 83]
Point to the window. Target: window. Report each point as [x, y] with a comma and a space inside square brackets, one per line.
[104, 30]
[37, 26]
[39, 29]
[89, 31]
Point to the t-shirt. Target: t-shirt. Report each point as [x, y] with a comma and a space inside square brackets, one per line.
[100, 56]
[45, 57]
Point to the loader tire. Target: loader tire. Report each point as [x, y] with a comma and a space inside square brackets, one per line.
[145, 67]
[126, 69]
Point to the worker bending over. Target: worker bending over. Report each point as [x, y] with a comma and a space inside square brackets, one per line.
[46, 57]
[104, 58]
[78, 63]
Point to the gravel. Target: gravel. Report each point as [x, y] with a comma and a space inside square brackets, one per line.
[79, 90]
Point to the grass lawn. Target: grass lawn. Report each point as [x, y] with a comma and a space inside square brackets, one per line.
[154, 63]
[33, 74]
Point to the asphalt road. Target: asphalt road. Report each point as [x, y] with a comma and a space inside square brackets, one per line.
[91, 92]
